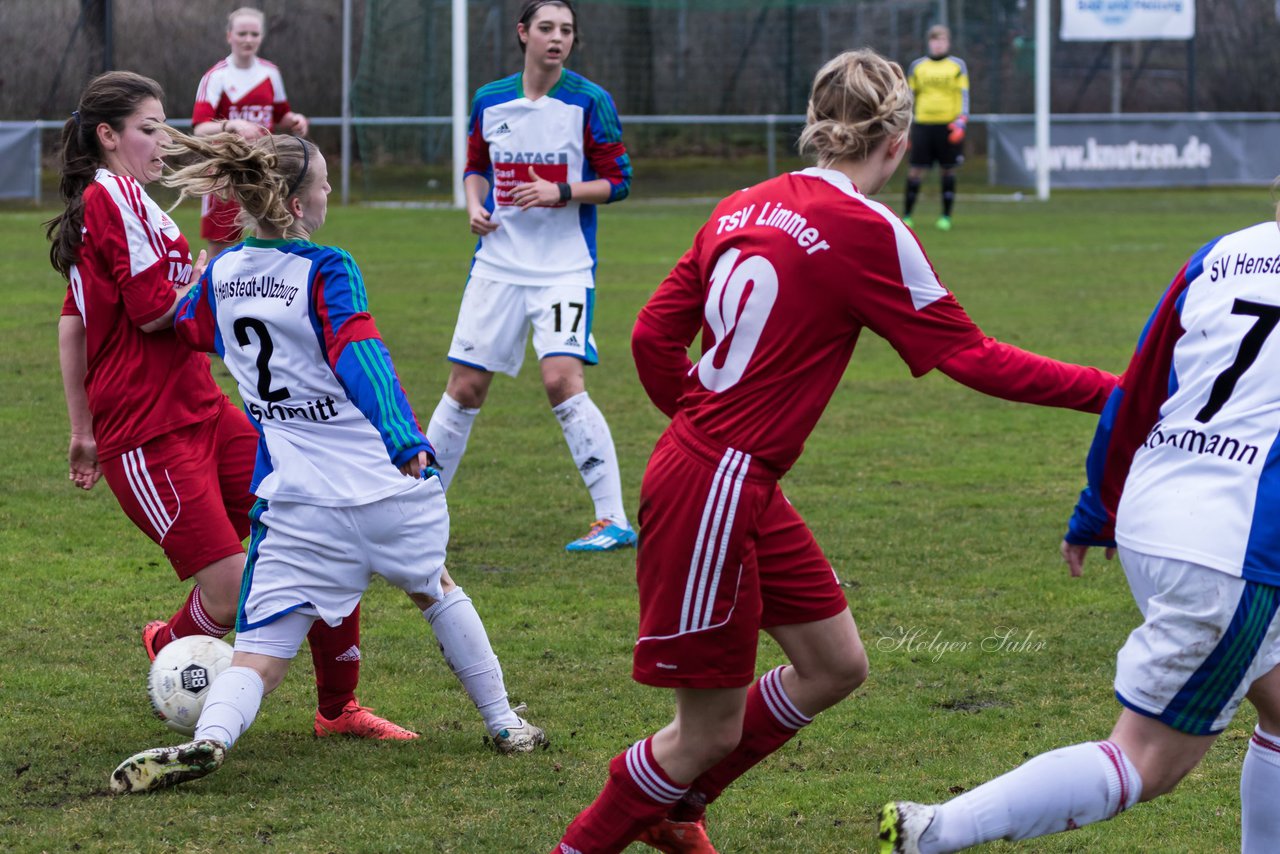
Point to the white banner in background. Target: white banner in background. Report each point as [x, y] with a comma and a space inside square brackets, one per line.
[1127, 20]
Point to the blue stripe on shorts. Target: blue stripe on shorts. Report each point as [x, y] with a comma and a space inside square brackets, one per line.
[257, 531]
[1201, 700]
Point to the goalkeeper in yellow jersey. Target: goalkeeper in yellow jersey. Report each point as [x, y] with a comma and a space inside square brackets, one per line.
[941, 86]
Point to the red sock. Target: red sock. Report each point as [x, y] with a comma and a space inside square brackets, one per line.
[335, 652]
[770, 722]
[190, 619]
[638, 794]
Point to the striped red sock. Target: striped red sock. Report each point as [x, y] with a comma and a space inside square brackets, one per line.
[770, 722]
[638, 794]
[191, 619]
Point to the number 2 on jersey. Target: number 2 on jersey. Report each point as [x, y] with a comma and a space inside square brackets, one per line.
[263, 362]
[736, 315]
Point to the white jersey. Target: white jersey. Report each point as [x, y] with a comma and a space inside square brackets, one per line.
[571, 134]
[1204, 482]
[291, 321]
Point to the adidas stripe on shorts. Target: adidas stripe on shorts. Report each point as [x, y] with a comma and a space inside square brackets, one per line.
[722, 555]
[1205, 638]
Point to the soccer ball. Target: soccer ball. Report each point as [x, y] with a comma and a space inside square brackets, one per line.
[180, 678]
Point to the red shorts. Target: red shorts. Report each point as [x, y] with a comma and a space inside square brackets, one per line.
[219, 221]
[722, 555]
[188, 490]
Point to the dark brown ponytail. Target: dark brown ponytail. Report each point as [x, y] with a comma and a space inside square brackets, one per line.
[110, 98]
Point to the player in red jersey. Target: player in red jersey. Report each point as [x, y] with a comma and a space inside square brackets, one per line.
[780, 281]
[242, 94]
[145, 411]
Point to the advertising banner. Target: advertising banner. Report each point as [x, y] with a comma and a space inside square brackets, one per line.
[19, 160]
[1127, 20]
[1139, 151]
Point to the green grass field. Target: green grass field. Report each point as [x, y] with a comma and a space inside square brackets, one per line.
[940, 509]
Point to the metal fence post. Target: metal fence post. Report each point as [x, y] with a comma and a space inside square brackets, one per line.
[771, 143]
[35, 143]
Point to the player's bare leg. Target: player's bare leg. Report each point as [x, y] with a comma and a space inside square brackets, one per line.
[467, 385]
[827, 659]
[1162, 754]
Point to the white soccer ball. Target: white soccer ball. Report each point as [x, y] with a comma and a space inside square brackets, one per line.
[180, 678]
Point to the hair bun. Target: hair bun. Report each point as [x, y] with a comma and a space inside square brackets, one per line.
[858, 100]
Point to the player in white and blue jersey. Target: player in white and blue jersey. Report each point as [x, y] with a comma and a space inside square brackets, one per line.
[545, 149]
[1184, 478]
[344, 476]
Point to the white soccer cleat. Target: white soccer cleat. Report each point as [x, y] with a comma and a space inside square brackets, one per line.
[524, 738]
[902, 823]
[167, 766]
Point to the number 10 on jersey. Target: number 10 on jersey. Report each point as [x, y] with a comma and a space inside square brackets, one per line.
[742, 294]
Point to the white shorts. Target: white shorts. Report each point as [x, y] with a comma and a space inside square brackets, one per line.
[319, 560]
[1206, 637]
[494, 321]
[279, 638]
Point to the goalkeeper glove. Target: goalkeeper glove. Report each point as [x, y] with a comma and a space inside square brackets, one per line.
[956, 128]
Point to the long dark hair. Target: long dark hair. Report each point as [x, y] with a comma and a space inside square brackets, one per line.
[109, 98]
[531, 7]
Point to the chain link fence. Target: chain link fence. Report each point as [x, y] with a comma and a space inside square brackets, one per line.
[696, 63]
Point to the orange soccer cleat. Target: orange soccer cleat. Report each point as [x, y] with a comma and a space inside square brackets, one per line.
[678, 837]
[359, 721]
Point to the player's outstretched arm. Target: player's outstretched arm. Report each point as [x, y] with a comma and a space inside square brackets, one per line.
[1002, 370]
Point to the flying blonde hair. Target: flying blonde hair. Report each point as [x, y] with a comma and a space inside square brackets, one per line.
[261, 176]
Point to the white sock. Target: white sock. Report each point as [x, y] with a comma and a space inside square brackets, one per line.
[466, 649]
[232, 704]
[447, 431]
[591, 446]
[1259, 783]
[1056, 791]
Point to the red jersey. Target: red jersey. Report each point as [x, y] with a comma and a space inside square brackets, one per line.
[255, 94]
[140, 384]
[781, 280]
